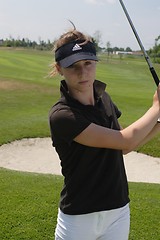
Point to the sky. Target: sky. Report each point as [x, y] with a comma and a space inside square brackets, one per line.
[48, 19]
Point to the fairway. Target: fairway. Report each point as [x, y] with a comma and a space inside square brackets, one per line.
[27, 94]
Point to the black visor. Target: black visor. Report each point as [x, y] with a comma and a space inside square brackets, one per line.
[72, 52]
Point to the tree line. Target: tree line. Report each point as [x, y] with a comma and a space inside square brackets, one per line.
[48, 45]
[155, 51]
[26, 43]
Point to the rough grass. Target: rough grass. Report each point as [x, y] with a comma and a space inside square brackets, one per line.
[29, 204]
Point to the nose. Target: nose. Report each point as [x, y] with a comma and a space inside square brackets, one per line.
[82, 71]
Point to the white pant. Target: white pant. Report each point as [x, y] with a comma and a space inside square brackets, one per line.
[105, 225]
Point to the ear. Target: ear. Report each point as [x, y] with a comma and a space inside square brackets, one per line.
[59, 69]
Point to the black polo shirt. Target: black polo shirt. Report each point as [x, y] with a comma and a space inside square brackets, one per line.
[94, 178]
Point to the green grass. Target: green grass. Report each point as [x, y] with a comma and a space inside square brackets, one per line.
[26, 94]
[131, 86]
[29, 205]
[29, 202]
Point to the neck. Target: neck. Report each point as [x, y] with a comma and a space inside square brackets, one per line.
[86, 98]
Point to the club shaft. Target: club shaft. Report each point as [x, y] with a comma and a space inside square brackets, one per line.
[152, 70]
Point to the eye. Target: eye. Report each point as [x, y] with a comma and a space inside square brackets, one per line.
[88, 62]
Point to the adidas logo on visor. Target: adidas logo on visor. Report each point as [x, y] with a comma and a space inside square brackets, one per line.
[76, 47]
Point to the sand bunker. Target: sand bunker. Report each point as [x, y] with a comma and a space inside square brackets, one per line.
[38, 155]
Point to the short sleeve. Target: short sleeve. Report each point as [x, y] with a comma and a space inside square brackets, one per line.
[66, 124]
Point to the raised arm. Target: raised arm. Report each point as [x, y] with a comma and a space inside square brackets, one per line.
[126, 139]
[155, 131]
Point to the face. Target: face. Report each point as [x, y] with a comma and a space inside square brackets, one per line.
[80, 76]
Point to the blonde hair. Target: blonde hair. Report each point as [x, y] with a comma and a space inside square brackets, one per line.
[69, 36]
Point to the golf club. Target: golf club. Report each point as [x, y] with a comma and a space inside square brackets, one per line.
[152, 70]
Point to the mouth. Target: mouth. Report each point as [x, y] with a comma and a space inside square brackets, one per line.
[83, 82]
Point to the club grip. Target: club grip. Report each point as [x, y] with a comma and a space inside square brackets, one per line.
[154, 74]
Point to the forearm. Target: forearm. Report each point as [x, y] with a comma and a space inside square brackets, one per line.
[152, 134]
[142, 130]
[125, 140]
[155, 131]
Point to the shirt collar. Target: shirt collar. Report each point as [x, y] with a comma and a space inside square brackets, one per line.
[99, 88]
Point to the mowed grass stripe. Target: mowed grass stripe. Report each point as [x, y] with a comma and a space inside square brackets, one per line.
[28, 94]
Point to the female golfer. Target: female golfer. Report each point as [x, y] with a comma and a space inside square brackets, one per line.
[94, 201]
